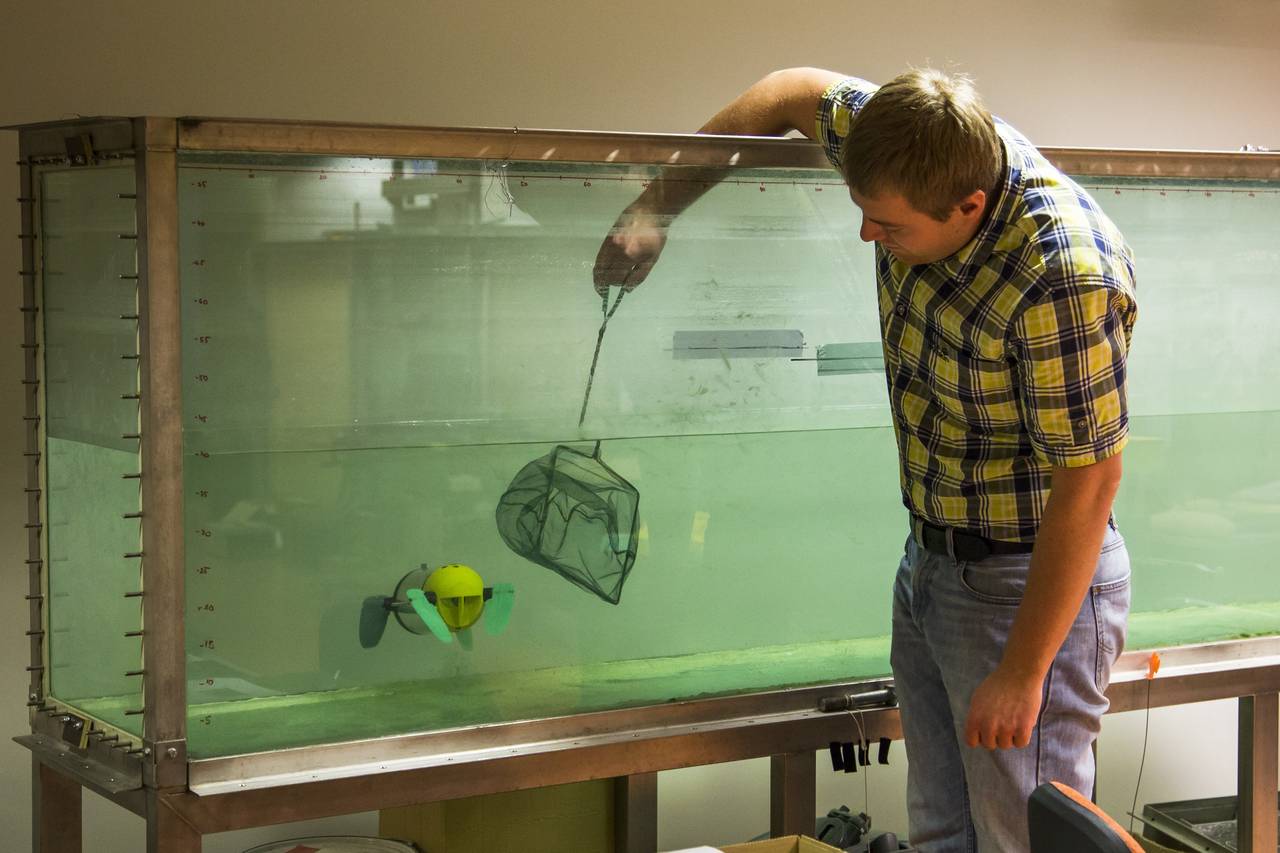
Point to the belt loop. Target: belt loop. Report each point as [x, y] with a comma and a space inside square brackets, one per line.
[951, 543]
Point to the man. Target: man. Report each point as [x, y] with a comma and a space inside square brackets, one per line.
[1006, 303]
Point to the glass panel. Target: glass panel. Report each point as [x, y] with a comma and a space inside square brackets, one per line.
[1201, 491]
[86, 338]
[375, 349]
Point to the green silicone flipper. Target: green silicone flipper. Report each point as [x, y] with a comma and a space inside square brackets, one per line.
[497, 611]
[464, 639]
[430, 616]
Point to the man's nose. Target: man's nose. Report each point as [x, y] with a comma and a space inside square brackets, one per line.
[870, 231]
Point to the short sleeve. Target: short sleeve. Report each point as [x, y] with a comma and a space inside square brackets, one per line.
[1071, 348]
[839, 104]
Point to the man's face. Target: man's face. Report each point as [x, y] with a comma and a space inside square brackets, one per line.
[914, 237]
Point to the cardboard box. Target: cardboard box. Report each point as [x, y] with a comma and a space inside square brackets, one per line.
[577, 817]
[786, 844]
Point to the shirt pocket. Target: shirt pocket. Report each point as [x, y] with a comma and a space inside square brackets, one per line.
[974, 390]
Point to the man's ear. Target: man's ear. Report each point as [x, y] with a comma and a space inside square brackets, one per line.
[973, 205]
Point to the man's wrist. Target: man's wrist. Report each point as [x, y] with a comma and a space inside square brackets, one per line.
[1022, 671]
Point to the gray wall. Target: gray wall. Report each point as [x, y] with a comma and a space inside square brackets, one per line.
[1108, 73]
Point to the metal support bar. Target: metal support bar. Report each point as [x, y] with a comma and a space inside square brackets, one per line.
[34, 485]
[635, 813]
[656, 149]
[793, 793]
[160, 372]
[168, 831]
[1259, 734]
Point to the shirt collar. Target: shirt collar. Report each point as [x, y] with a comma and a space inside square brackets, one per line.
[962, 266]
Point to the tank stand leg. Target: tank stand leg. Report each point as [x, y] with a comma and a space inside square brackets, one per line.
[55, 811]
[635, 801]
[1257, 772]
[793, 793]
[167, 831]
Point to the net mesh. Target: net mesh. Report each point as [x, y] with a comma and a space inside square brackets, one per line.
[571, 513]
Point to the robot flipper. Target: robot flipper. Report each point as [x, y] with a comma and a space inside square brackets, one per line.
[497, 611]
[429, 615]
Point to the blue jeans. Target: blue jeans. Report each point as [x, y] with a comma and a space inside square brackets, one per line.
[950, 622]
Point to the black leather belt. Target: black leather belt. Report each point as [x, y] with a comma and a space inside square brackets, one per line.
[961, 545]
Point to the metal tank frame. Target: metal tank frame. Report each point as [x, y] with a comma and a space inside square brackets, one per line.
[182, 800]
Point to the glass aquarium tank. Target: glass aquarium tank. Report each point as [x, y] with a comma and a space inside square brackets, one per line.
[381, 360]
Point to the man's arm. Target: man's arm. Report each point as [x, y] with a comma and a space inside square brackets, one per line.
[783, 101]
[1005, 706]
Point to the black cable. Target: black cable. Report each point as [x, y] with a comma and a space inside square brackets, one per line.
[866, 777]
[1146, 727]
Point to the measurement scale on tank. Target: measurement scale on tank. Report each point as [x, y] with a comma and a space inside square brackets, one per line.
[201, 498]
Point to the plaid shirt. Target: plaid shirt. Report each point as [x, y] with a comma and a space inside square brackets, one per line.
[1008, 357]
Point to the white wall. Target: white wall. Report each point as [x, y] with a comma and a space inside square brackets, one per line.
[1110, 73]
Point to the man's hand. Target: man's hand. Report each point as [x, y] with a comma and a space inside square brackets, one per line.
[1003, 711]
[629, 252]
[1004, 708]
[782, 101]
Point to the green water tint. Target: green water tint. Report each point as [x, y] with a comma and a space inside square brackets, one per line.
[712, 594]
[290, 720]
[362, 381]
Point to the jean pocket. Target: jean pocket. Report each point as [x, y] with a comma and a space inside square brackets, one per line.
[1112, 572]
[996, 580]
[1111, 619]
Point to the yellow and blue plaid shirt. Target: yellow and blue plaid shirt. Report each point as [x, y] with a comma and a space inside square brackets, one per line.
[1007, 358]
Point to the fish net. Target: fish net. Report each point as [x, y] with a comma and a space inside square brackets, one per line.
[571, 513]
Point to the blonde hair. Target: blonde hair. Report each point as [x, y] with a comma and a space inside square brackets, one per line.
[926, 135]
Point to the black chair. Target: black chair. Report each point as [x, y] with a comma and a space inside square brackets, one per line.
[1062, 820]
